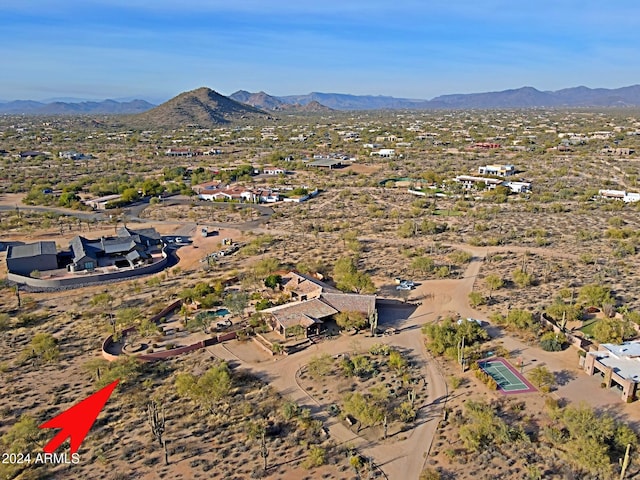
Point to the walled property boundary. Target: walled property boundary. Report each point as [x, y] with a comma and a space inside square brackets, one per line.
[81, 281]
[163, 355]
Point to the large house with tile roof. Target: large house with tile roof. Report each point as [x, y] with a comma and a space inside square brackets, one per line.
[314, 303]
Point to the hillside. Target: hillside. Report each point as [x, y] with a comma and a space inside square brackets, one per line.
[202, 107]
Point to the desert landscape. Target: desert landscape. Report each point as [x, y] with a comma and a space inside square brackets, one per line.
[538, 267]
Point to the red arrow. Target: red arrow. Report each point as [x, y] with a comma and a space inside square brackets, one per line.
[76, 421]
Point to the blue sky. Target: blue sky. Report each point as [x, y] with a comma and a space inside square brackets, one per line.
[408, 48]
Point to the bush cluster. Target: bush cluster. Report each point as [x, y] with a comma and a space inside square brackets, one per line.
[486, 379]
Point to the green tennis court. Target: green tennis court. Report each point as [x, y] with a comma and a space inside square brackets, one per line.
[507, 377]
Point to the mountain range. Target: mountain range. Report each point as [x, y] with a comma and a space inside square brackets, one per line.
[30, 107]
[525, 97]
[195, 108]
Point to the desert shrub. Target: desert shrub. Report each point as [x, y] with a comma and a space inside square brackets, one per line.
[476, 299]
[380, 349]
[317, 457]
[552, 342]
[522, 279]
[455, 382]
[430, 473]
[320, 365]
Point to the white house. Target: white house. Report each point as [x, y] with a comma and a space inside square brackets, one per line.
[269, 170]
[627, 197]
[518, 187]
[498, 170]
[468, 182]
[385, 152]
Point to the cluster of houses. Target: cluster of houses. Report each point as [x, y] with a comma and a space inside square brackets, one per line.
[189, 153]
[627, 197]
[470, 182]
[219, 192]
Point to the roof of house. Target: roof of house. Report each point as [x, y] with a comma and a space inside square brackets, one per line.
[149, 233]
[301, 313]
[126, 241]
[32, 249]
[325, 162]
[304, 285]
[81, 247]
[118, 245]
[470, 178]
[623, 359]
[345, 302]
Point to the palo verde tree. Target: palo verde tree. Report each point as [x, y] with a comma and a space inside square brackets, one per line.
[349, 279]
[348, 320]
[493, 282]
[236, 303]
[208, 389]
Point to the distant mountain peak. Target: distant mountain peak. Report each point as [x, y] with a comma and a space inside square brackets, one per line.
[203, 107]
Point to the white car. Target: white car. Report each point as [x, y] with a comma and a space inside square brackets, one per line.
[403, 286]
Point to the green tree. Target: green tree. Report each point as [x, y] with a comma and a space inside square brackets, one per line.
[362, 366]
[208, 389]
[67, 199]
[595, 295]
[320, 365]
[397, 361]
[348, 320]
[317, 457]
[521, 320]
[483, 427]
[476, 299]
[349, 279]
[23, 437]
[266, 266]
[444, 338]
[552, 342]
[542, 377]
[493, 282]
[613, 330]
[595, 440]
[559, 310]
[362, 408]
[236, 303]
[423, 265]
[130, 195]
[272, 281]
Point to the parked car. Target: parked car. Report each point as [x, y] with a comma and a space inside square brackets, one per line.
[403, 286]
[408, 283]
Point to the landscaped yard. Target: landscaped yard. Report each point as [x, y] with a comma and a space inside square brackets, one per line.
[588, 326]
